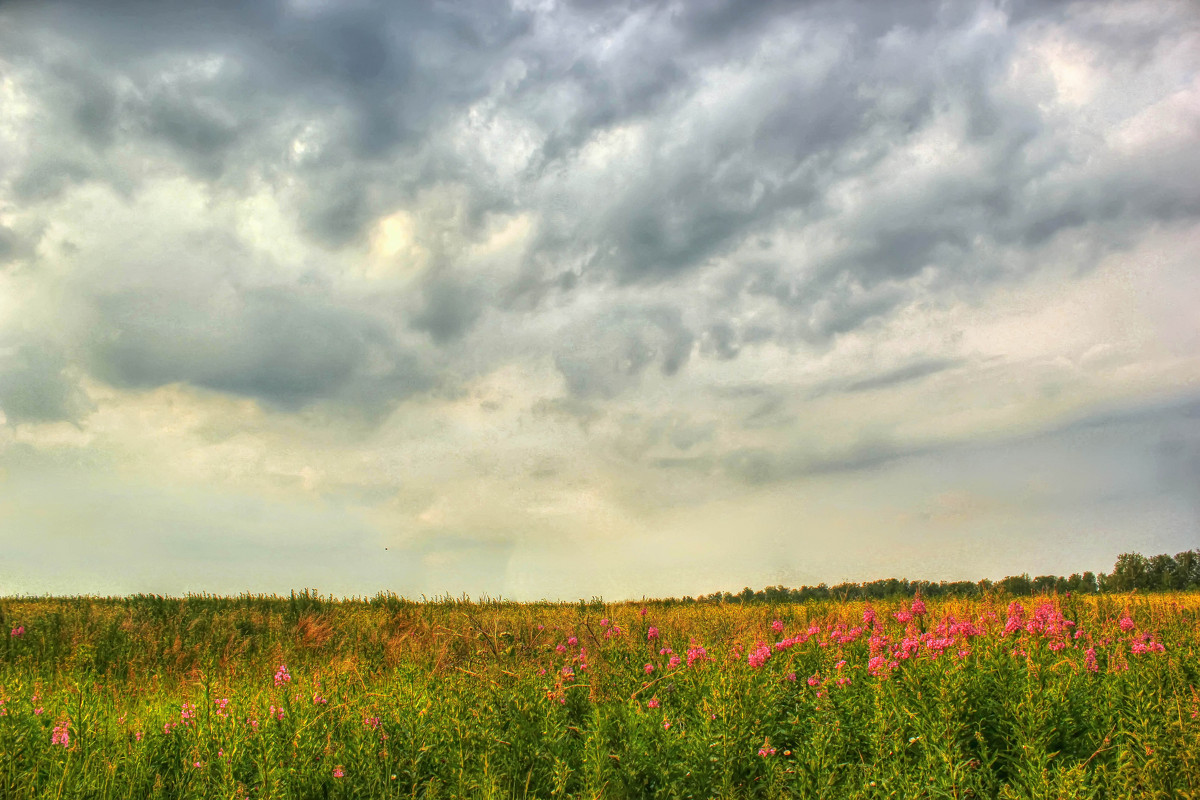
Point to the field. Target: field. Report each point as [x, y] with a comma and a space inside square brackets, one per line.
[302, 697]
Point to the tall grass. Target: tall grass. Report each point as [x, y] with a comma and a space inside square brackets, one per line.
[305, 697]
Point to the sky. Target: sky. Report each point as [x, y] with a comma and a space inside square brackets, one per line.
[552, 299]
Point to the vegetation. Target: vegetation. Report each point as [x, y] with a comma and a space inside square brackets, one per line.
[1086, 695]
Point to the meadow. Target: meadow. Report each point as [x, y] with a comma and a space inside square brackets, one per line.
[305, 697]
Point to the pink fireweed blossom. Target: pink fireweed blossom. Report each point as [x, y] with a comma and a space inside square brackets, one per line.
[918, 607]
[666, 724]
[649, 668]
[1089, 660]
[277, 713]
[1016, 610]
[318, 700]
[1126, 623]
[222, 704]
[868, 616]
[572, 640]
[562, 648]
[337, 772]
[766, 751]
[567, 672]
[814, 680]
[673, 662]
[282, 676]
[653, 703]
[17, 631]
[791, 676]
[62, 733]
[643, 611]
[777, 626]
[370, 723]
[651, 633]
[695, 654]
[604, 622]
[187, 714]
[903, 616]
[759, 656]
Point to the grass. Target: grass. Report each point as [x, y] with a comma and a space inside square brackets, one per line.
[1089, 696]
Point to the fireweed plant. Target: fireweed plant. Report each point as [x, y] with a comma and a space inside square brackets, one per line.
[304, 697]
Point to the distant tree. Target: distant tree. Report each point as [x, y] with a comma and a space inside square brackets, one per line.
[1129, 573]
[1017, 584]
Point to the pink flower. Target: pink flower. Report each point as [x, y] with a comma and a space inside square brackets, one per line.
[562, 648]
[868, 615]
[760, 655]
[814, 680]
[337, 772]
[918, 607]
[318, 700]
[572, 640]
[18, 631]
[222, 703]
[791, 676]
[1089, 660]
[38, 711]
[653, 702]
[604, 622]
[62, 733]
[282, 676]
[643, 611]
[648, 668]
[651, 633]
[666, 724]
[1126, 623]
[695, 654]
[673, 662]
[903, 616]
[777, 626]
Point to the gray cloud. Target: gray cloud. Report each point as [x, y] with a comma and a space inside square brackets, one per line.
[37, 384]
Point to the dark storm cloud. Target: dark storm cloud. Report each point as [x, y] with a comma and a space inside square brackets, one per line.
[659, 144]
[286, 347]
[37, 384]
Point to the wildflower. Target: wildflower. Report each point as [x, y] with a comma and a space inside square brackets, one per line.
[695, 654]
[572, 640]
[666, 724]
[196, 764]
[222, 704]
[903, 616]
[62, 733]
[282, 676]
[673, 662]
[868, 616]
[138, 735]
[777, 626]
[766, 750]
[1089, 660]
[337, 772]
[38, 711]
[814, 680]
[643, 611]
[604, 622]
[562, 648]
[651, 633]
[567, 672]
[1126, 623]
[648, 668]
[918, 606]
[277, 713]
[653, 702]
[759, 657]
[842, 681]
[318, 700]
[187, 713]
[18, 631]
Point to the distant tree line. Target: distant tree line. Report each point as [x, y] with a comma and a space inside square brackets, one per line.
[1133, 571]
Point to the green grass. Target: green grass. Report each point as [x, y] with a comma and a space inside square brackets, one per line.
[454, 699]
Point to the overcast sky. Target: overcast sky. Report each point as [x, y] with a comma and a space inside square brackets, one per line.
[563, 299]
